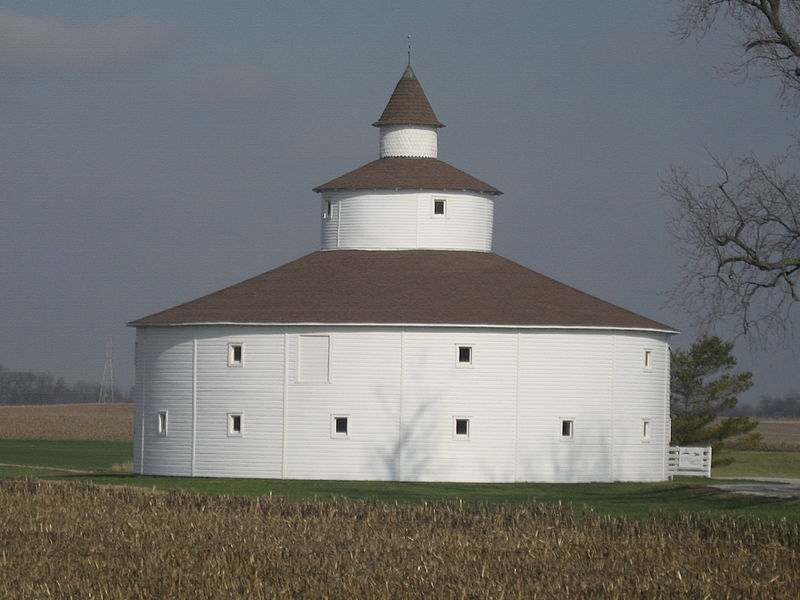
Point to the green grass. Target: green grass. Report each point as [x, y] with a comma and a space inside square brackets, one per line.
[749, 463]
[631, 499]
[84, 455]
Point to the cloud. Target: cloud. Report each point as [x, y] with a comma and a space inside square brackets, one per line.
[36, 46]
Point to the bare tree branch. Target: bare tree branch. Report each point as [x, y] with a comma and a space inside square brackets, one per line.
[741, 243]
[771, 35]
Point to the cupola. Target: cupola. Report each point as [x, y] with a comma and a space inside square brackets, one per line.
[407, 199]
[408, 125]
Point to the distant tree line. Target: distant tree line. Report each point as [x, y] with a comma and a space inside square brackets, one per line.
[18, 387]
[770, 407]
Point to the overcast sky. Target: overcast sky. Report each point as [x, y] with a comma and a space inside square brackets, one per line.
[153, 152]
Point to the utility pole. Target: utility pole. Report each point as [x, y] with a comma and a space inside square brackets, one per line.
[107, 383]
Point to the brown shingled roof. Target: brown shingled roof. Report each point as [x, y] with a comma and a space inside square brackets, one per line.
[407, 173]
[407, 286]
[408, 104]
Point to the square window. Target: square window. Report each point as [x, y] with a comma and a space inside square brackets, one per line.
[234, 423]
[460, 428]
[439, 208]
[162, 422]
[648, 360]
[464, 357]
[340, 426]
[567, 429]
[235, 355]
[645, 429]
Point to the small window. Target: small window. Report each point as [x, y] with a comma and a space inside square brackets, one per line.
[161, 427]
[235, 355]
[460, 428]
[234, 424]
[340, 426]
[567, 429]
[464, 356]
[645, 429]
[648, 360]
[439, 207]
[326, 209]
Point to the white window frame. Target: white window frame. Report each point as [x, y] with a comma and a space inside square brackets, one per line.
[327, 210]
[470, 362]
[231, 431]
[571, 436]
[647, 429]
[648, 359]
[338, 434]
[441, 215]
[231, 361]
[162, 423]
[462, 436]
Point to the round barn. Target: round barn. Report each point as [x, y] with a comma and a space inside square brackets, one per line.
[404, 349]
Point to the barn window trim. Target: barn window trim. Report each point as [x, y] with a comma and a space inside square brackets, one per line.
[465, 355]
[162, 423]
[439, 210]
[306, 380]
[567, 429]
[648, 360]
[647, 429]
[340, 426]
[235, 354]
[462, 428]
[235, 424]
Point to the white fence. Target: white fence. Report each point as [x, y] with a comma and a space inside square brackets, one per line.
[689, 461]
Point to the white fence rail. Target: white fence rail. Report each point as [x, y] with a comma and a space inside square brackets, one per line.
[682, 460]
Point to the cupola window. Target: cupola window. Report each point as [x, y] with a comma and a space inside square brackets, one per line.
[439, 207]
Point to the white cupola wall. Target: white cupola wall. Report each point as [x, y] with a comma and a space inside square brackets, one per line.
[411, 141]
[407, 199]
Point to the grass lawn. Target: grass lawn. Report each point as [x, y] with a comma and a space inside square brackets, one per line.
[751, 463]
[631, 499]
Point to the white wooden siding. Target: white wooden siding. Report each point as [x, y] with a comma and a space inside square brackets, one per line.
[405, 140]
[401, 388]
[404, 220]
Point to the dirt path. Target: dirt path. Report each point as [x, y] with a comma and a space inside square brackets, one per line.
[772, 487]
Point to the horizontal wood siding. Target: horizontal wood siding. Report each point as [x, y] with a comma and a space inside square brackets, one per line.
[254, 390]
[639, 394]
[401, 389]
[436, 389]
[466, 225]
[565, 375]
[405, 220]
[364, 386]
[166, 357]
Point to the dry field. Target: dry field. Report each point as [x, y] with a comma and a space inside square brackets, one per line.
[77, 540]
[112, 421]
[779, 431]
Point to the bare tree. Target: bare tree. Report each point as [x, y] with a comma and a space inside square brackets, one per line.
[770, 34]
[740, 235]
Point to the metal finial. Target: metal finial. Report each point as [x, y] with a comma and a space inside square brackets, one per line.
[409, 49]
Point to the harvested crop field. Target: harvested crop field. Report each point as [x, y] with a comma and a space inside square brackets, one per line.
[77, 540]
[110, 421]
[779, 431]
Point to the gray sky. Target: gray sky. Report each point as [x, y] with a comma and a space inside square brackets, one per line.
[153, 152]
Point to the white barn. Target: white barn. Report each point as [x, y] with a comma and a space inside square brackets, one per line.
[404, 349]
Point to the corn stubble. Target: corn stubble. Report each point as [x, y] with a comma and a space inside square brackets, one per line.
[78, 540]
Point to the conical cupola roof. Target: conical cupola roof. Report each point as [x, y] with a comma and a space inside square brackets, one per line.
[408, 105]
